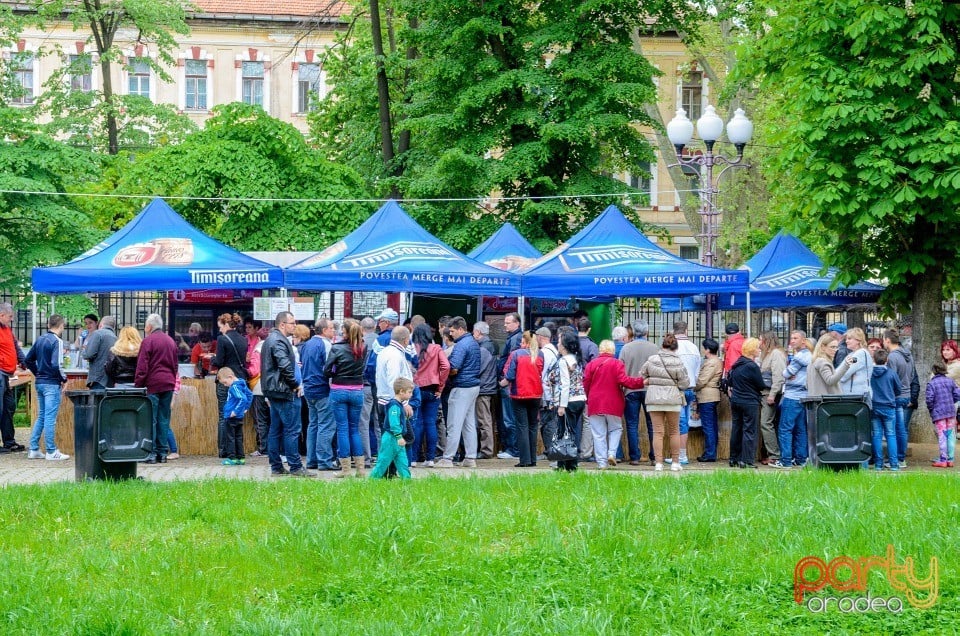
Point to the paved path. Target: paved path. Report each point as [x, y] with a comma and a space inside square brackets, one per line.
[15, 468]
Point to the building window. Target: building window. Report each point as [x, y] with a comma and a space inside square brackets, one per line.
[196, 84]
[252, 83]
[691, 95]
[21, 65]
[642, 182]
[690, 253]
[81, 73]
[308, 86]
[139, 78]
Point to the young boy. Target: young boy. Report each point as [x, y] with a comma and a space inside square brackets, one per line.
[392, 442]
[885, 385]
[238, 401]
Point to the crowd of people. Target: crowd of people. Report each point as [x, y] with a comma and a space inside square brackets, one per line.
[440, 392]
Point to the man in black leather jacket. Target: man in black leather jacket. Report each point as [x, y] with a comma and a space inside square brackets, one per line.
[278, 377]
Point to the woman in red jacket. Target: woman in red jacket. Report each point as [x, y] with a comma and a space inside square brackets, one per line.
[604, 379]
[523, 374]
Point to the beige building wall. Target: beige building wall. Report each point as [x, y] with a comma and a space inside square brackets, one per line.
[231, 32]
[281, 43]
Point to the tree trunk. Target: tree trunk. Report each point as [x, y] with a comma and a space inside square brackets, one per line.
[928, 333]
[113, 132]
[383, 86]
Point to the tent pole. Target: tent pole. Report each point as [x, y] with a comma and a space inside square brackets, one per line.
[749, 321]
[479, 308]
[33, 319]
[523, 317]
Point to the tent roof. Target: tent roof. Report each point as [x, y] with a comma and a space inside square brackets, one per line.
[786, 274]
[506, 249]
[157, 250]
[611, 257]
[392, 252]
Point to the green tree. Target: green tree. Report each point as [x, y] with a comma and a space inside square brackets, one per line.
[103, 118]
[256, 162]
[41, 229]
[869, 134]
[529, 101]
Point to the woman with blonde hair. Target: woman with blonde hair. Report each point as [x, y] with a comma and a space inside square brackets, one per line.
[746, 383]
[524, 372]
[773, 360]
[122, 362]
[604, 379]
[822, 377]
[856, 379]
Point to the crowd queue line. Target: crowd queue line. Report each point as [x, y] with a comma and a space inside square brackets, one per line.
[549, 384]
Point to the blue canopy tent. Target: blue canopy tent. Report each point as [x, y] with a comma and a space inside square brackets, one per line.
[506, 249]
[157, 251]
[785, 274]
[611, 257]
[391, 252]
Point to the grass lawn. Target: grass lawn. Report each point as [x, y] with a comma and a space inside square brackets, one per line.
[527, 554]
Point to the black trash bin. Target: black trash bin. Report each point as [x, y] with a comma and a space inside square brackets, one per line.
[838, 430]
[112, 431]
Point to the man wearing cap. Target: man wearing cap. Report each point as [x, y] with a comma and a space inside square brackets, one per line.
[550, 355]
[837, 330]
[732, 346]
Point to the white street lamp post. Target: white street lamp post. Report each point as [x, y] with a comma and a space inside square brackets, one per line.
[709, 129]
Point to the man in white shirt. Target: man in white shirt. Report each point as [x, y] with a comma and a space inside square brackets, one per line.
[548, 417]
[690, 355]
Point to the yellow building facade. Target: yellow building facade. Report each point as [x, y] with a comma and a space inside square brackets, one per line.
[272, 54]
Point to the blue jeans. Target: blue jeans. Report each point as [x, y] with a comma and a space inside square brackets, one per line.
[884, 424]
[48, 403]
[792, 433]
[685, 411]
[508, 436]
[171, 440]
[903, 415]
[320, 429]
[633, 403]
[284, 437]
[346, 405]
[708, 421]
[161, 422]
[425, 426]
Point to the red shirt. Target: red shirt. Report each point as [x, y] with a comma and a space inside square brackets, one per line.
[157, 363]
[603, 378]
[732, 349]
[8, 350]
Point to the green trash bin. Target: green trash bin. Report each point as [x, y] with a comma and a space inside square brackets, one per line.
[112, 431]
[838, 430]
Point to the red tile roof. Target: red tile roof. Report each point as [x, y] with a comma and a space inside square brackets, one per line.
[305, 8]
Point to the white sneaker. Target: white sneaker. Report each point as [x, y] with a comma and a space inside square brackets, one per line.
[429, 464]
[413, 464]
[505, 455]
[444, 463]
[676, 468]
[36, 454]
[56, 456]
[658, 468]
[468, 463]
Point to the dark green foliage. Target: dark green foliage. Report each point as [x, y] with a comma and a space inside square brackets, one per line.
[247, 156]
[526, 101]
